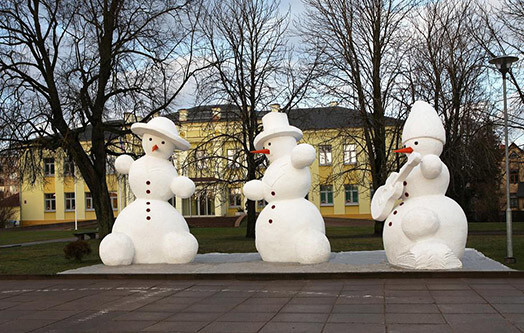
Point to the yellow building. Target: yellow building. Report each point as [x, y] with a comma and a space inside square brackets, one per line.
[339, 188]
[516, 183]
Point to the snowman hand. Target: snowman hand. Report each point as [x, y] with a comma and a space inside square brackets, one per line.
[254, 190]
[182, 187]
[123, 164]
[303, 156]
[431, 166]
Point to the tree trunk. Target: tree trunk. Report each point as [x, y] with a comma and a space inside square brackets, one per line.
[251, 205]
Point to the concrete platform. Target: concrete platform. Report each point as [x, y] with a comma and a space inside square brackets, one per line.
[251, 263]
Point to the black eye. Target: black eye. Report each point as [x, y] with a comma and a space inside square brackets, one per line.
[416, 143]
[150, 139]
[163, 142]
[269, 143]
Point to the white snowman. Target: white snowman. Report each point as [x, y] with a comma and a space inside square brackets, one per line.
[290, 228]
[423, 228]
[150, 230]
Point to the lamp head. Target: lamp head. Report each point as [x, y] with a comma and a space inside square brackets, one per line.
[503, 63]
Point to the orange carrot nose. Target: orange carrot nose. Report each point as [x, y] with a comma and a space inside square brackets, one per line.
[261, 151]
[155, 147]
[407, 150]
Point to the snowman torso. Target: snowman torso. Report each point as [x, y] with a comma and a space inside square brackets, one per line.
[147, 219]
[284, 181]
[287, 212]
[420, 192]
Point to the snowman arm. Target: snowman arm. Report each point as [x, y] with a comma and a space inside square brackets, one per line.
[123, 164]
[254, 190]
[303, 156]
[431, 166]
[182, 187]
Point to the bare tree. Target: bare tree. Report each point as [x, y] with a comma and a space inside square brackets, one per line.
[253, 66]
[69, 67]
[447, 68]
[360, 44]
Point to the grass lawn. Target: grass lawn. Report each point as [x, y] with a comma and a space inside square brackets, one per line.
[20, 236]
[49, 258]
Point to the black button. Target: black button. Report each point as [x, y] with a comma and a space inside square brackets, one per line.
[148, 182]
[148, 191]
[148, 218]
[148, 203]
[148, 210]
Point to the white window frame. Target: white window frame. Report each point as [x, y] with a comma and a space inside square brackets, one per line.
[114, 196]
[350, 154]
[69, 167]
[232, 156]
[89, 202]
[235, 194]
[326, 190]
[69, 202]
[49, 166]
[201, 162]
[325, 156]
[50, 197]
[351, 189]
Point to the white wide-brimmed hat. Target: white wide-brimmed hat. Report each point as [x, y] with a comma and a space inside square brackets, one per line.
[163, 127]
[276, 124]
[423, 122]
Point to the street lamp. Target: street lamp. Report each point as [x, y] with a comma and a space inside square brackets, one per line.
[503, 64]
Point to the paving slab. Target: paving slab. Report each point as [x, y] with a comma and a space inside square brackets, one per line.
[251, 263]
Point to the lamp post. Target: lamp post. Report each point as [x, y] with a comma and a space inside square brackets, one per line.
[503, 64]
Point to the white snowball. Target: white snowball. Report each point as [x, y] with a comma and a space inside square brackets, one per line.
[254, 190]
[123, 163]
[182, 187]
[180, 248]
[303, 155]
[116, 249]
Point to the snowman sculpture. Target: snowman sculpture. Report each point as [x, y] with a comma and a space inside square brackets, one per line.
[290, 228]
[423, 228]
[150, 230]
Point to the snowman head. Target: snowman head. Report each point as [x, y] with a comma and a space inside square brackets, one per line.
[155, 145]
[423, 131]
[159, 137]
[279, 146]
[278, 137]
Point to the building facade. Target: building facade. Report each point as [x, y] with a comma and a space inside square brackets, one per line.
[516, 183]
[340, 181]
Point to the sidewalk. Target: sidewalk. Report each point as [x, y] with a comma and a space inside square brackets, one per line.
[360, 305]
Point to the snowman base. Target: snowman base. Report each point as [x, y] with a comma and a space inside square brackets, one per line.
[251, 264]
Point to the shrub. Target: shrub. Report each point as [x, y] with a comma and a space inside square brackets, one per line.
[77, 250]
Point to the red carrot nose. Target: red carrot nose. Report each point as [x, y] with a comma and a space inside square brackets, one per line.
[155, 147]
[261, 151]
[407, 150]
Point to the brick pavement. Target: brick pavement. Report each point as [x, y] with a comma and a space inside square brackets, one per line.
[357, 305]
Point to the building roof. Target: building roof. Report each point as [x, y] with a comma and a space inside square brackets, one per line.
[303, 118]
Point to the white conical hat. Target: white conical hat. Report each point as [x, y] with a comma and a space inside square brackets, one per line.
[423, 122]
[163, 127]
[276, 124]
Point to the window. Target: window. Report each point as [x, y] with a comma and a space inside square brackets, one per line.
[235, 197]
[49, 166]
[69, 201]
[513, 156]
[89, 201]
[514, 176]
[49, 202]
[232, 158]
[110, 165]
[261, 203]
[326, 195]
[69, 167]
[513, 202]
[201, 162]
[324, 155]
[350, 154]
[201, 205]
[351, 194]
[114, 200]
